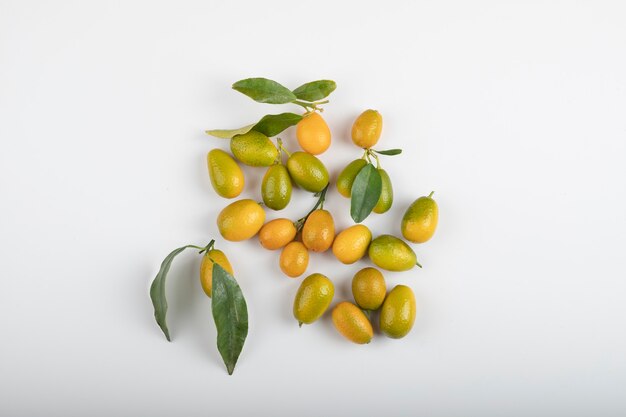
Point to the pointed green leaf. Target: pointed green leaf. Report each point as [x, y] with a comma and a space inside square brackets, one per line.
[264, 91]
[315, 90]
[231, 316]
[229, 133]
[273, 124]
[365, 192]
[157, 291]
[389, 152]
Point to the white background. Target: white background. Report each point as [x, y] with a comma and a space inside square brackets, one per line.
[513, 112]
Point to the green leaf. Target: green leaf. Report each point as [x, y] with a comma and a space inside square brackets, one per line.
[264, 91]
[231, 316]
[229, 133]
[157, 291]
[272, 124]
[366, 190]
[389, 152]
[315, 90]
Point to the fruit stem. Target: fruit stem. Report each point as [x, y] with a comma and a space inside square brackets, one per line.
[282, 148]
[207, 248]
[418, 264]
[320, 203]
[431, 194]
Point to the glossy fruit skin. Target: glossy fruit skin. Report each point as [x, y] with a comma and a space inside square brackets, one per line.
[277, 233]
[276, 187]
[386, 194]
[226, 175]
[254, 149]
[420, 220]
[294, 259]
[313, 298]
[398, 312]
[391, 253]
[369, 288]
[240, 220]
[318, 231]
[347, 176]
[352, 323]
[367, 128]
[351, 244]
[206, 268]
[307, 171]
[313, 133]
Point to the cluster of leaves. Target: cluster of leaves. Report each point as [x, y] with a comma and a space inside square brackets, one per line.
[228, 305]
[263, 90]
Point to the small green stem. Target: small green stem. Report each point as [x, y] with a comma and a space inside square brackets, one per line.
[207, 248]
[377, 160]
[431, 194]
[320, 203]
[310, 106]
[282, 148]
[418, 264]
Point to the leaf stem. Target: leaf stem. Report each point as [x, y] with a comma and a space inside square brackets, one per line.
[320, 203]
[310, 106]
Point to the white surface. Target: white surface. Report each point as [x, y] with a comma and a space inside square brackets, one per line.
[514, 112]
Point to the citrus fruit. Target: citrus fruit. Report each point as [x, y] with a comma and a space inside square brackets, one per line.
[392, 253]
[352, 323]
[313, 133]
[367, 128]
[254, 149]
[398, 312]
[369, 288]
[313, 298]
[226, 175]
[294, 259]
[351, 244]
[277, 233]
[318, 231]
[420, 220]
[240, 220]
[206, 268]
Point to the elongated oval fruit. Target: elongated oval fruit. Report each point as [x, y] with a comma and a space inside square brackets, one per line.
[226, 175]
[313, 133]
[347, 176]
[206, 268]
[276, 187]
[277, 233]
[254, 149]
[369, 288]
[307, 171]
[294, 259]
[351, 244]
[398, 312]
[367, 128]
[352, 323]
[318, 231]
[386, 193]
[313, 298]
[391, 253]
[240, 220]
[420, 220]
